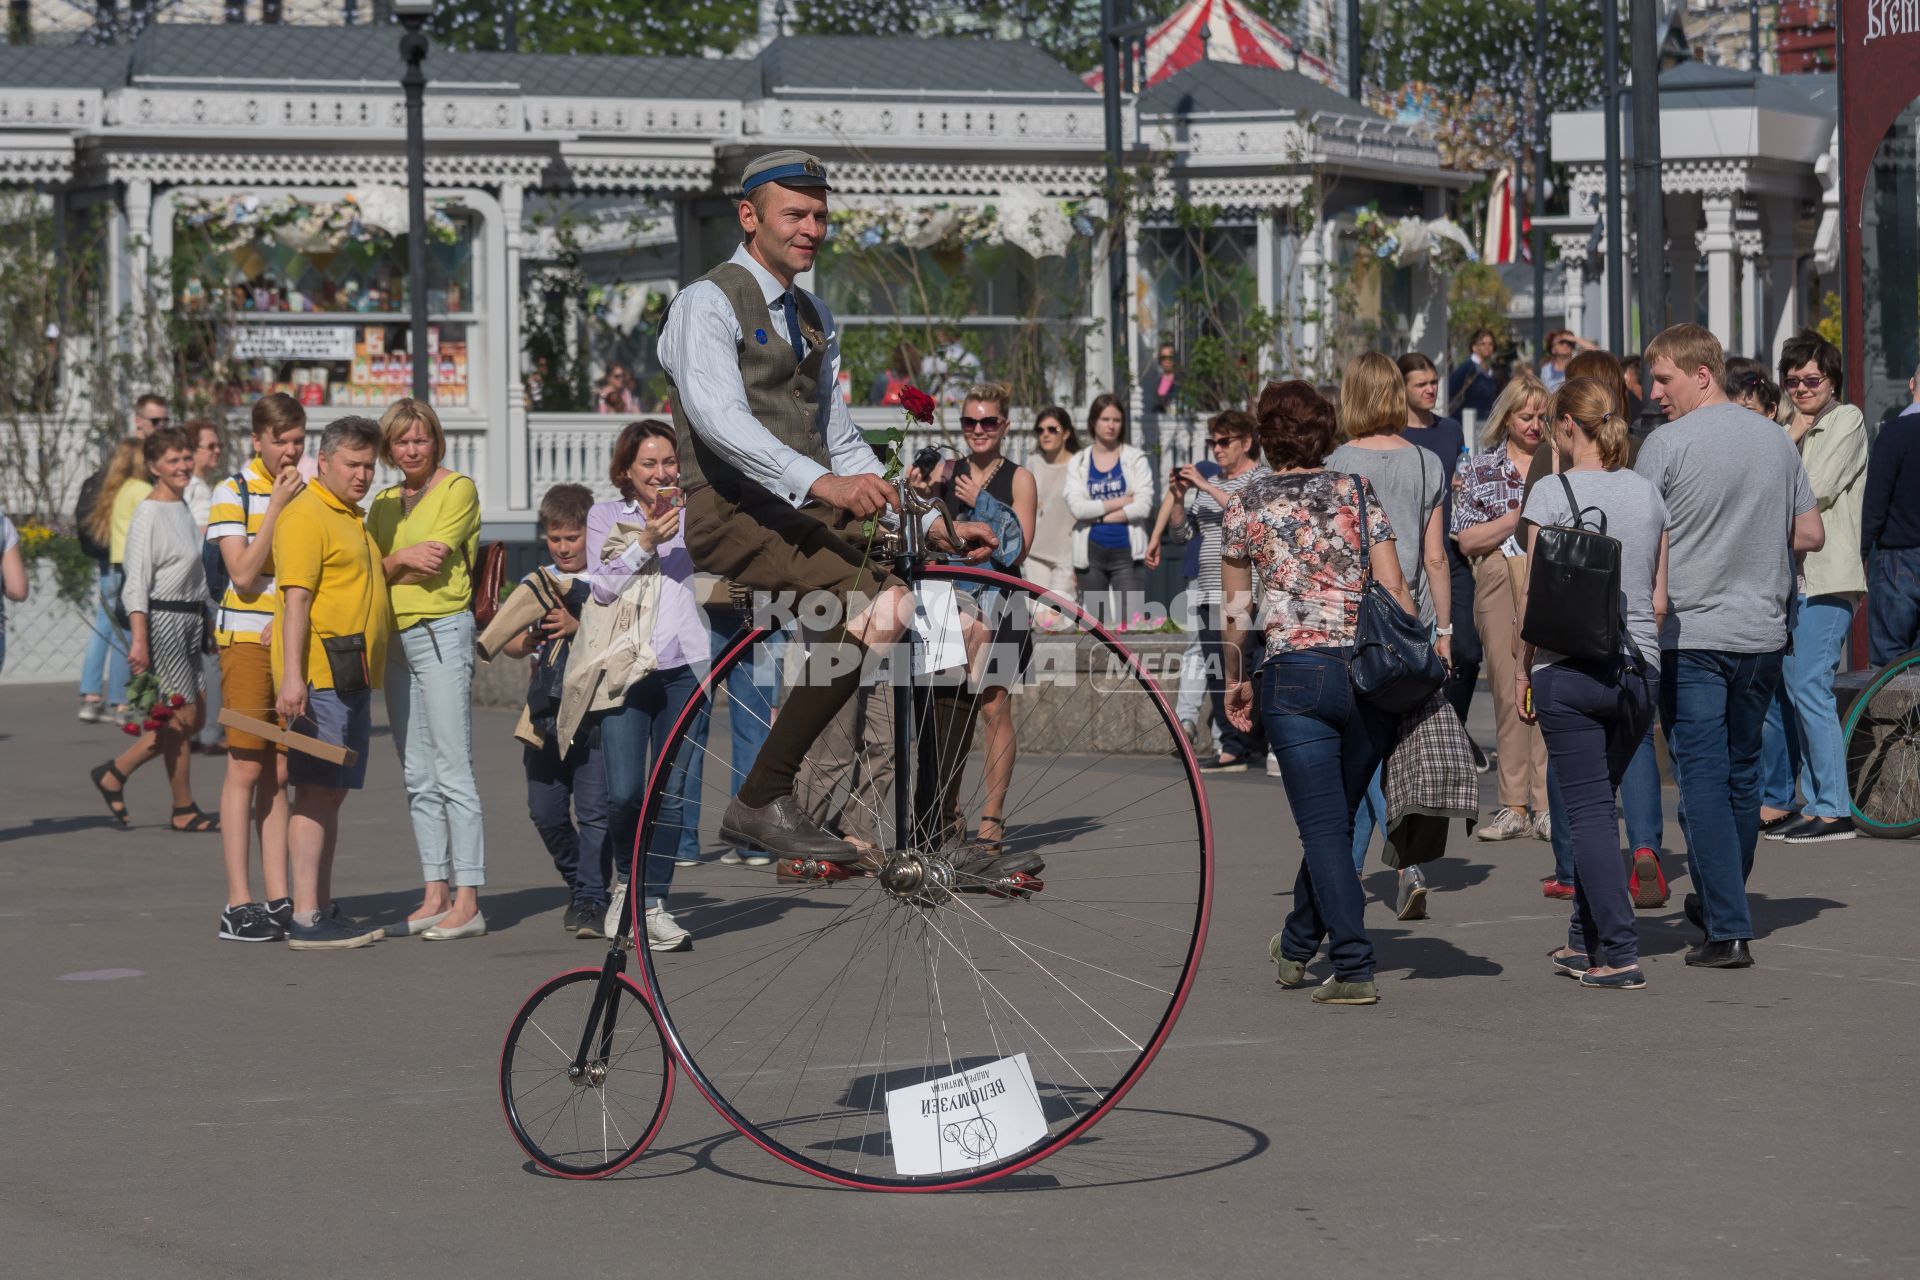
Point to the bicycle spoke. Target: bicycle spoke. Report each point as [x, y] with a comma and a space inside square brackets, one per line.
[806, 1007]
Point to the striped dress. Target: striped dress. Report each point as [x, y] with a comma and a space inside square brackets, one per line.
[165, 582]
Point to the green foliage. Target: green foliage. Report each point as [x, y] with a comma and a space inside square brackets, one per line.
[551, 325]
[1475, 57]
[657, 27]
[1831, 324]
[74, 571]
[1476, 299]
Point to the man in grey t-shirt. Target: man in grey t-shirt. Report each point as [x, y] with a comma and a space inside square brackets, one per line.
[1742, 511]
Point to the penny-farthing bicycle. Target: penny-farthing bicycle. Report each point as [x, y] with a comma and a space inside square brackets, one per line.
[952, 1008]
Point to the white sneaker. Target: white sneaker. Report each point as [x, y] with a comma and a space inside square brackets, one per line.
[663, 934]
[1508, 824]
[750, 858]
[1543, 826]
[1273, 765]
[610, 924]
[686, 862]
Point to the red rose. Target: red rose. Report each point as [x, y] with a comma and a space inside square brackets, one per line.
[917, 403]
[149, 723]
[163, 713]
[131, 730]
[177, 700]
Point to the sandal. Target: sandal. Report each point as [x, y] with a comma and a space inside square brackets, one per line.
[992, 844]
[116, 799]
[201, 822]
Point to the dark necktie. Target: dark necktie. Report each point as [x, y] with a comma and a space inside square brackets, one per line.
[788, 305]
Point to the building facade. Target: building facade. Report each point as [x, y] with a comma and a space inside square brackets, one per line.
[248, 185]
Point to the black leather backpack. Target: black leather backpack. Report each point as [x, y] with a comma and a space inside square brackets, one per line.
[1573, 586]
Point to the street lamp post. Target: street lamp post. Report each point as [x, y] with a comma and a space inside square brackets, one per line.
[413, 15]
[1111, 89]
[1616, 290]
[1649, 223]
[1537, 203]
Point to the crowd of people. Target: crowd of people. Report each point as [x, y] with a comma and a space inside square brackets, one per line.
[1740, 537]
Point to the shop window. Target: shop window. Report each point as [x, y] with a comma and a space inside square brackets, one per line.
[279, 294]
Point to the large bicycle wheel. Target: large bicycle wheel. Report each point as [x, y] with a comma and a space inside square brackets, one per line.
[1883, 751]
[937, 1019]
[585, 1082]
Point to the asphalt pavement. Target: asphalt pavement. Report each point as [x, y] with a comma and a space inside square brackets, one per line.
[176, 1106]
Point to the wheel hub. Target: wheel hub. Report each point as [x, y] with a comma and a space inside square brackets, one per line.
[591, 1076]
[917, 878]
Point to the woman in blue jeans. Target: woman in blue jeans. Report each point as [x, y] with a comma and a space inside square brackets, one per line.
[1594, 713]
[641, 532]
[427, 528]
[1300, 530]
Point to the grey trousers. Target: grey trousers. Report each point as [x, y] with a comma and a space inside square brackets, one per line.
[846, 780]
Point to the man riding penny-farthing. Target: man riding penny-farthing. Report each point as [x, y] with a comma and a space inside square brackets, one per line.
[867, 1010]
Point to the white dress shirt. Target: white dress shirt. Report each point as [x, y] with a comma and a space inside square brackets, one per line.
[698, 349]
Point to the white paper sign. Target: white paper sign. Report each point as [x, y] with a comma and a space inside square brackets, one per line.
[293, 342]
[936, 620]
[981, 1116]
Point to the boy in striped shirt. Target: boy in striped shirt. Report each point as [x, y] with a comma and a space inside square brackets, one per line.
[245, 508]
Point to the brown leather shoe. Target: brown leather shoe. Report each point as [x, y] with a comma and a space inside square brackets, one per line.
[783, 830]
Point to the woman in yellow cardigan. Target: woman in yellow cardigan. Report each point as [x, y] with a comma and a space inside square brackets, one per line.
[427, 528]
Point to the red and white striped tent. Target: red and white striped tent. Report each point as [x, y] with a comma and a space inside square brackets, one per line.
[1232, 34]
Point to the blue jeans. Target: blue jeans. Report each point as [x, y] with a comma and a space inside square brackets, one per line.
[1594, 718]
[752, 690]
[106, 657]
[429, 689]
[1712, 708]
[1369, 814]
[1893, 604]
[1803, 722]
[1329, 742]
[1558, 819]
[1780, 759]
[567, 800]
[632, 738]
[1640, 797]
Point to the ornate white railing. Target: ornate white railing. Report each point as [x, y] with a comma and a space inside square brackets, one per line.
[576, 448]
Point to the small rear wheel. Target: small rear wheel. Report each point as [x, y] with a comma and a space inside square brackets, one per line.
[1882, 732]
[585, 1080]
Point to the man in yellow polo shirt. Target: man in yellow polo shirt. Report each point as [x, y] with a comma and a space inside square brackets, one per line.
[330, 635]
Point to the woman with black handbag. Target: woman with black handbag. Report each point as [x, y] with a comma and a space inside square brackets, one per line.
[1589, 636]
[1315, 537]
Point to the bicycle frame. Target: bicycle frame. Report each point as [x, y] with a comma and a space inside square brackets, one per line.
[611, 968]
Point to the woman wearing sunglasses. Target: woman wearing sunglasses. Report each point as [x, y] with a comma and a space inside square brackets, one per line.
[985, 469]
[1802, 732]
[1050, 555]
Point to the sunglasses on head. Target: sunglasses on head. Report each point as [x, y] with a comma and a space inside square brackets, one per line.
[980, 424]
[1792, 384]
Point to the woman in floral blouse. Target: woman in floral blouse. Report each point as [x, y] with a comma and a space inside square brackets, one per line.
[1488, 490]
[1300, 529]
